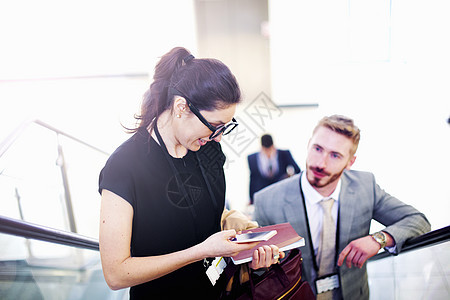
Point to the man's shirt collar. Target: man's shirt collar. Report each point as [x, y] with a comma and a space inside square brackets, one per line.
[313, 196]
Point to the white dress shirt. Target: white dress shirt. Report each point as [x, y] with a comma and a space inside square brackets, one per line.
[314, 210]
[264, 162]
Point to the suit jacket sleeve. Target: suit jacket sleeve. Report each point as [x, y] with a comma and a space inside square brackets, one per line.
[402, 221]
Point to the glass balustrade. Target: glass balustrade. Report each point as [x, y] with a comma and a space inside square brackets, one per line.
[51, 271]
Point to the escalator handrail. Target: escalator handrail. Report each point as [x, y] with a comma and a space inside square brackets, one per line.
[44, 233]
[428, 239]
[39, 232]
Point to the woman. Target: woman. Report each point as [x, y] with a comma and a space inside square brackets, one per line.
[163, 190]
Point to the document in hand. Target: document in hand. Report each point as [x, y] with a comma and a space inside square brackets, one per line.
[286, 239]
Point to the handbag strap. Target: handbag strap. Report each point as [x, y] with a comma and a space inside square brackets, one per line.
[278, 270]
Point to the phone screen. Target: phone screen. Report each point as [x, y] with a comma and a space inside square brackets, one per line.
[254, 236]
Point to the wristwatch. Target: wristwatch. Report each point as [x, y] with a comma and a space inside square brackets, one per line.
[380, 238]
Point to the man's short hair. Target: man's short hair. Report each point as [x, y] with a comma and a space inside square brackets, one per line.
[342, 125]
[266, 141]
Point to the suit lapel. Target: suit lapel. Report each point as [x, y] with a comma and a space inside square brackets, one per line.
[294, 210]
[347, 202]
[292, 207]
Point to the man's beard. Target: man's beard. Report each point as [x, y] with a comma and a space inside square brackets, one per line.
[315, 182]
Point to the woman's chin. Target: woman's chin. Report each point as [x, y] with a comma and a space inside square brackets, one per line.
[202, 142]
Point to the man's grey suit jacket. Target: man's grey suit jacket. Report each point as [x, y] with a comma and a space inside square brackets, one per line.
[360, 201]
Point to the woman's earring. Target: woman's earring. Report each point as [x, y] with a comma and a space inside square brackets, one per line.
[178, 116]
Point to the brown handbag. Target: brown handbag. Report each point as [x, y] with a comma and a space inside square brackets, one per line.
[281, 281]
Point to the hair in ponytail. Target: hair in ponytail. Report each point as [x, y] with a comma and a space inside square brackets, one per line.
[208, 83]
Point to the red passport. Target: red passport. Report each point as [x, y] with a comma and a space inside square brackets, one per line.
[286, 239]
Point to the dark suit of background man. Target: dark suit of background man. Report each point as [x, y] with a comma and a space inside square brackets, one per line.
[269, 165]
[332, 207]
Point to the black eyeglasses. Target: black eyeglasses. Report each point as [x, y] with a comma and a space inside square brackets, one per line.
[216, 131]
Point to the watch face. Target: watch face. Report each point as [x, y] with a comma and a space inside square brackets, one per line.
[380, 238]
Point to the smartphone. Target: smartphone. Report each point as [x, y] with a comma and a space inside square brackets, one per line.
[254, 236]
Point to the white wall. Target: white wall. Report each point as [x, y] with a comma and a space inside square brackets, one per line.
[50, 39]
[386, 67]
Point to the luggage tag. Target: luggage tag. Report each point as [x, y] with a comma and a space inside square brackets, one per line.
[327, 283]
[215, 268]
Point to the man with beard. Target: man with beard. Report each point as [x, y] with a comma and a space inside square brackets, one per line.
[332, 207]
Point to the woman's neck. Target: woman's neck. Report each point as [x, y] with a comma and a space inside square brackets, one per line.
[167, 132]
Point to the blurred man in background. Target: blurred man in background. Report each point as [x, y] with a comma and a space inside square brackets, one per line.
[269, 165]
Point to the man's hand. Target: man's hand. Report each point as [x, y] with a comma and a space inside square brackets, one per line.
[265, 256]
[358, 251]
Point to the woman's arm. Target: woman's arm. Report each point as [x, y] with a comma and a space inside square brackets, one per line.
[121, 270]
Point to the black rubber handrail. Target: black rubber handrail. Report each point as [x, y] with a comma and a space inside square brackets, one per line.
[44, 233]
[34, 231]
[428, 239]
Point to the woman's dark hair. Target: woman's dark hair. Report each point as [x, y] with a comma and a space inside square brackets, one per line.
[207, 83]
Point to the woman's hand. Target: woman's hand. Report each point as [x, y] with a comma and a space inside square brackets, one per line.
[266, 256]
[220, 244]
